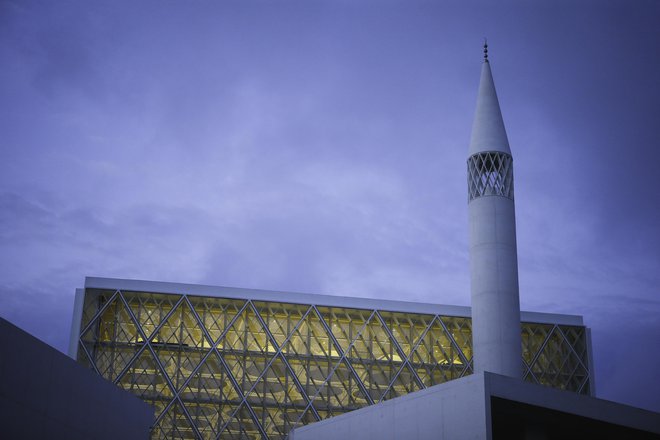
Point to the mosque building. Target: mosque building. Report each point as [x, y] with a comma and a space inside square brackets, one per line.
[231, 363]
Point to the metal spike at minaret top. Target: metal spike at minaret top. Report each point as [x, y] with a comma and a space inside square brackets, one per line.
[485, 50]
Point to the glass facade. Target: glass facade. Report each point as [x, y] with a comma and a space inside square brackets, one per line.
[223, 368]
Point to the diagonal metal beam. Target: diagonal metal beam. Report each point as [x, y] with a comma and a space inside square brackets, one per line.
[211, 350]
[301, 389]
[151, 350]
[577, 356]
[91, 359]
[139, 329]
[539, 351]
[402, 354]
[342, 358]
[214, 349]
[99, 312]
[464, 359]
[272, 359]
[452, 340]
[213, 345]
[419, 342]
[236, 385]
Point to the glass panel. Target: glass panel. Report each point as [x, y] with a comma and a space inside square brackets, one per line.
[437, 358]
[558, 364]
[145, 379]
[216, 314]
[210, 397]
[92, 303]
[294, 363]
[174, 424]
[242, 426]
[149, 309]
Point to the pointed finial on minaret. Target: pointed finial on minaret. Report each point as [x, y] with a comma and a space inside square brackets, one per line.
[485, 50]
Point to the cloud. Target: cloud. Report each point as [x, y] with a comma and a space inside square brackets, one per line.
[321, 148]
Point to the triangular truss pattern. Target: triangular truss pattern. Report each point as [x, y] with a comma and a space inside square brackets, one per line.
[247, 348]
[403, 331]
[406, 328]
[86, 358]
[220, 368]
[216, 314]
[277, 395]
[404, 381]
[379, 360]
[328, 378]
[93, 302]
[436, 357]
[557, 364]
[174, 424]
[490, 174]
[342, 327]
[277, 399]
[576, 339]
[244, 424]
[111, 337]
[533, 339]
[150, 314]
[341, 392]
[311, 351]
[179, 343]
[577, 361]
[146, 379]
[459, 330]
[210, 397]
[280, 319]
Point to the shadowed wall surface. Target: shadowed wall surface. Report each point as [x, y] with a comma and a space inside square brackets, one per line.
[44, 394]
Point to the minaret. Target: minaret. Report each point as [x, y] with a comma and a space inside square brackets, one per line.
[493, 257]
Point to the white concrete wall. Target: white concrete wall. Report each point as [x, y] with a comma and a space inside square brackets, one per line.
[76, 321]
[462, 409]
[454, 410]
[496, 327]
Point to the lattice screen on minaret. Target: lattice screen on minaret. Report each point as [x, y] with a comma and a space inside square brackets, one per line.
[490, 174]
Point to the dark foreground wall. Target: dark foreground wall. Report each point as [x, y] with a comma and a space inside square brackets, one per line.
[45, 394]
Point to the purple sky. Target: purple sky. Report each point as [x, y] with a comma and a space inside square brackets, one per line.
[320, 146]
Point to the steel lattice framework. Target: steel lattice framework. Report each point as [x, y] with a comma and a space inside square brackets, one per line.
[490, 173]
[223, 368]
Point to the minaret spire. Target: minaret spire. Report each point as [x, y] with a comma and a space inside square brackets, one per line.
[496, 331]
[488, 132]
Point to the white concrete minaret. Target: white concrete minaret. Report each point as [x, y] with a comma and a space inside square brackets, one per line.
[493, 257]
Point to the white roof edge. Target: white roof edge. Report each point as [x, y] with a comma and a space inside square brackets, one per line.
[308, 298]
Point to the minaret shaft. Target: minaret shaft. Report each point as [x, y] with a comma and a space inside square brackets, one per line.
[494, 286]
[496, 331]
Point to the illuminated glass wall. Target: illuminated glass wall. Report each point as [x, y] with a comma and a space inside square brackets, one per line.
[216, 368]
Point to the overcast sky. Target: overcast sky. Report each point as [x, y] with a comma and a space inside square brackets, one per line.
[320, 146]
